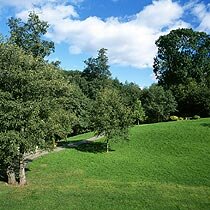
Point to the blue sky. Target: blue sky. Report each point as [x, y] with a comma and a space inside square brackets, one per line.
[127, 28]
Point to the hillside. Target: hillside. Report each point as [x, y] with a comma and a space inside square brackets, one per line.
[163, 166]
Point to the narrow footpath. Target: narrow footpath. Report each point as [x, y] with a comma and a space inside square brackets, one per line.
[40, 153]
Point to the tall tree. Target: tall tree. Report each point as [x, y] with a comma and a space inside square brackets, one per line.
[182, 65]
[138, 113]
[111, 117]
[96, 74]
[29, 35]
[193, 99]
[182, 54]
[131, 93]
[158, 103]
[97, 67]
[33, 96]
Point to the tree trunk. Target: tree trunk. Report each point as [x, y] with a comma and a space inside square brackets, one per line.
[22, 174]
[11, 175]
[107, 145]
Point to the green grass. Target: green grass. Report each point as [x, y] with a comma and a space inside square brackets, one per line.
[165, 166]
[80, 137]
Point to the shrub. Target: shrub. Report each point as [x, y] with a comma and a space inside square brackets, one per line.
[195, 117]
[174, 118]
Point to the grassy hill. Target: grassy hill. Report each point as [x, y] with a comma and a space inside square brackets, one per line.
[163, 166]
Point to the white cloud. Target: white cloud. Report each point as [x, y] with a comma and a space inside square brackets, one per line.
[160, 14]
[130, 42]
[76, 2]
[27, 4]
[202, 12]
[51, 13]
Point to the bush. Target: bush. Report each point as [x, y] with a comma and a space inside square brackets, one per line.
[195, 117]
[174, 118]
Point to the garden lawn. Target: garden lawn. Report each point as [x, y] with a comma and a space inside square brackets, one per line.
[163, 166]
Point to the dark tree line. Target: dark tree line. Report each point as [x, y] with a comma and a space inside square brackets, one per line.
[182, 65]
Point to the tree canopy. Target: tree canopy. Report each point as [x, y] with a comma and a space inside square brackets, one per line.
[183, 54]
[182, 65]
[158, 103]
[29, 35]
[111, 117]
[33, 100]
[97, 67]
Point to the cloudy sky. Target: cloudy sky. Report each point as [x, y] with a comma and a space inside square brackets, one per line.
[127, 28]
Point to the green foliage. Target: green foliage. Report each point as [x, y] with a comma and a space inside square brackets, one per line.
[97, 67]
[158, 103]
[29, 35]
[81, 105]
[111, 117]
[131, 93]
[138, 113]
[33, 100]
[182, 65]
[96, 74]
[192, 98]
[164, 166]
[174, 118]
[196, 117]
[182, 54]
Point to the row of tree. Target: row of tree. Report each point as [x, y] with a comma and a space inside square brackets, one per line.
[41, 103]
[182, 65]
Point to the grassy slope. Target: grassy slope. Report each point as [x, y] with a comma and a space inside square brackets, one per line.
[164, 166]
[80, 137]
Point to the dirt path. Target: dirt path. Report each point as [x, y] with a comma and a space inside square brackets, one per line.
[40, 153]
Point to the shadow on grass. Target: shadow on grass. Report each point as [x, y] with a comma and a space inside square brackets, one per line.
[92, 147]
[205, 125]
[65, 144]
[85, 146]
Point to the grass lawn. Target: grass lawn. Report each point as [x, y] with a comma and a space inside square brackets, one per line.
[163, 166]
[81, 137]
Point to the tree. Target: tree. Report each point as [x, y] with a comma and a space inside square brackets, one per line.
[131, 93]
[138, 113]
[193, 98]
[96, 74]
[182, 65]
[158, 103]
[29, 35]
[81, 105]
[33, 96]
[182, 54]
[111, 117]
[97, 67]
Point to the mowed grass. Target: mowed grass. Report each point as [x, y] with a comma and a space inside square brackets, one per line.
[80, 137]
[163, 166]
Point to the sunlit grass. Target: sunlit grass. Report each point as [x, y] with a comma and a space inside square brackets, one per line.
[163, 166]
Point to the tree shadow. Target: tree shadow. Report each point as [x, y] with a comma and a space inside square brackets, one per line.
[92, 147]
[65, 144]
[205, 124]
[3, 175]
